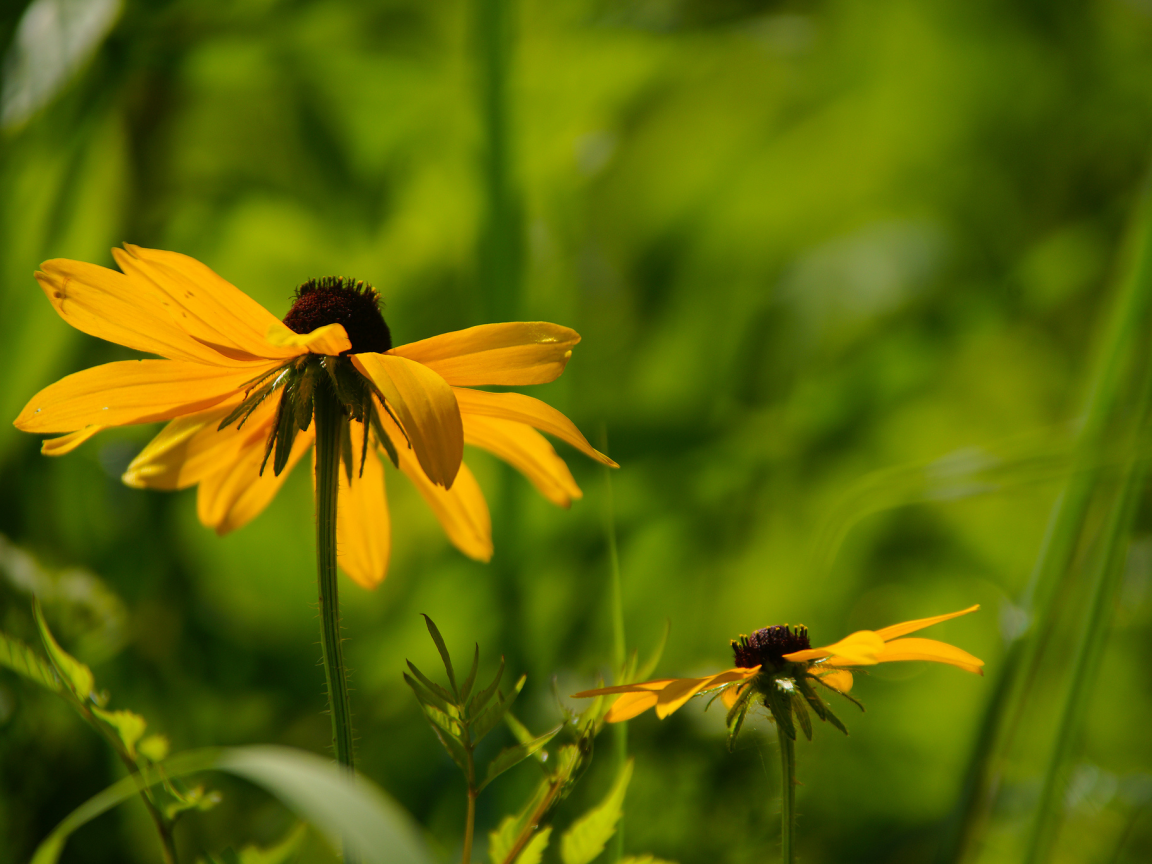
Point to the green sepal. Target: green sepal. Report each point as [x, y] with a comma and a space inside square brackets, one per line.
[736, 715]
[493, 714]
[252, 400]
[302, 405]
[430, 693]
[285, 431]
[481, 698]
[129, 727]
[346, 447]
[834, 720]
[818, 704]
[434, 631]
[466, 687]
[511, 756]
[382, 437]
[780, 704]
[800, 709]
[841, 693]
[75, 675]
[24, 661]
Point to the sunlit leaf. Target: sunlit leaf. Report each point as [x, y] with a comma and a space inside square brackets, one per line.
[22, 660]
[510, 756]
[76, 676]
[154, 748]
[534, 851]
[443, 649]
[494, 713]
[590, 833]
[129, 726]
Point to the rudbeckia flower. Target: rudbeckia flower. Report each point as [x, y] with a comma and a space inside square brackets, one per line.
[778, 665]
[236, 385]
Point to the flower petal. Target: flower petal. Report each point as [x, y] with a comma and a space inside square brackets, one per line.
[895, 630]
[837, 679]
[237, 494]
[132, 391]
[120, 309]
[68, 443]
[680, 691]
[858, 649]
[425, 406]
[363, 527]
[331, 339]
[629, 705]
[929, 649]
[642, 687]
[462, 510]
[206, 307]
[192, 447]
[729, 695]
[533, 412]
[524, 352]
[526, 450]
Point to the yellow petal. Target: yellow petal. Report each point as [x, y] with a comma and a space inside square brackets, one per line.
[533, 412]
[642, 687]
[526, 352]
[131, 391]
[837, 679]
[729, 695]
[237, 494]
[680, 691]
[425, 406]
[203, 305]
[629, 705]
[363, 529]
[68, 443]
[193, 447]
[111, 306]
[331, 339]
[525, 449]
[912, 626]
[929, 649]
[859, 649]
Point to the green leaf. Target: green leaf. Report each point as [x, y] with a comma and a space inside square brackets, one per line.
[24, 661]
[443, 649]
[481, 698]
[495, 712]
[281, 853]
[534, 850]
[466, 687]
[129, 726]
[590, 833]
[644, 859]
[780, 704]
[800, 709]
[337, 804]
[433, 692]
[183, 800]
[510, 756]
[76, 676]
[154, 748]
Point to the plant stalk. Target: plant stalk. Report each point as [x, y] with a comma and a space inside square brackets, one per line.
[787, 795]
[469, 827]
[328, 417]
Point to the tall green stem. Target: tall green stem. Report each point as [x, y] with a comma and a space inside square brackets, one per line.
[787, 795]
[328, 418]
[619, 648]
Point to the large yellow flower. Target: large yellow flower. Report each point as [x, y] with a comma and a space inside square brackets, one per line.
[237, 385]
[778, 664]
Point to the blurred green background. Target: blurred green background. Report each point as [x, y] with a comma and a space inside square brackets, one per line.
[805, 243]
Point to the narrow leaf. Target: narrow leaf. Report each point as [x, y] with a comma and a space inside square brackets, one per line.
[443, 649]
[76, 676]
[440, 693]
[590, 833]
[800, 709]
[466, 687]
[24, 661]
[494, 713]
[510, 756]
[481, 698]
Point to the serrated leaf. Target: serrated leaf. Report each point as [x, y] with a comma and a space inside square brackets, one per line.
[466, 687]
[154, 747]
[494, 713]
[22, 660]
[481, 698]
[534, 850]
[434, 631]
[511, 756]
[431, 692]
[591, 832]
[76, 676]
[129, 726]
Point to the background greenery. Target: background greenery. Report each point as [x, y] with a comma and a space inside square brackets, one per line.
[805, 243]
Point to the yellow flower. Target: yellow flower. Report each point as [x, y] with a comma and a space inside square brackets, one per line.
[237, 384]
[777, 664]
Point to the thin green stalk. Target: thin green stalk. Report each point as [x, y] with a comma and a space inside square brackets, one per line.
[787, 795]
[1052, 576]
[469, 828]
[619, 647]
[328, 418]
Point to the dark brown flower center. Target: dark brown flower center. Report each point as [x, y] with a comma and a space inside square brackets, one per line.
[768, 645]
[339, 300]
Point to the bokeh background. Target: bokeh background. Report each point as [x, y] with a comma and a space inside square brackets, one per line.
[840, 268]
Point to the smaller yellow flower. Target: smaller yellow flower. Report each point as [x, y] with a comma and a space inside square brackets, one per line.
[778, 664]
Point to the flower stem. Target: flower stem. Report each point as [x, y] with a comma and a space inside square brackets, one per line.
[469, 828]
[787, 795]
[329, 414]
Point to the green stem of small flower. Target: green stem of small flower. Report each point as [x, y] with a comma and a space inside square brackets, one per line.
[787, 795]
[328, 415]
